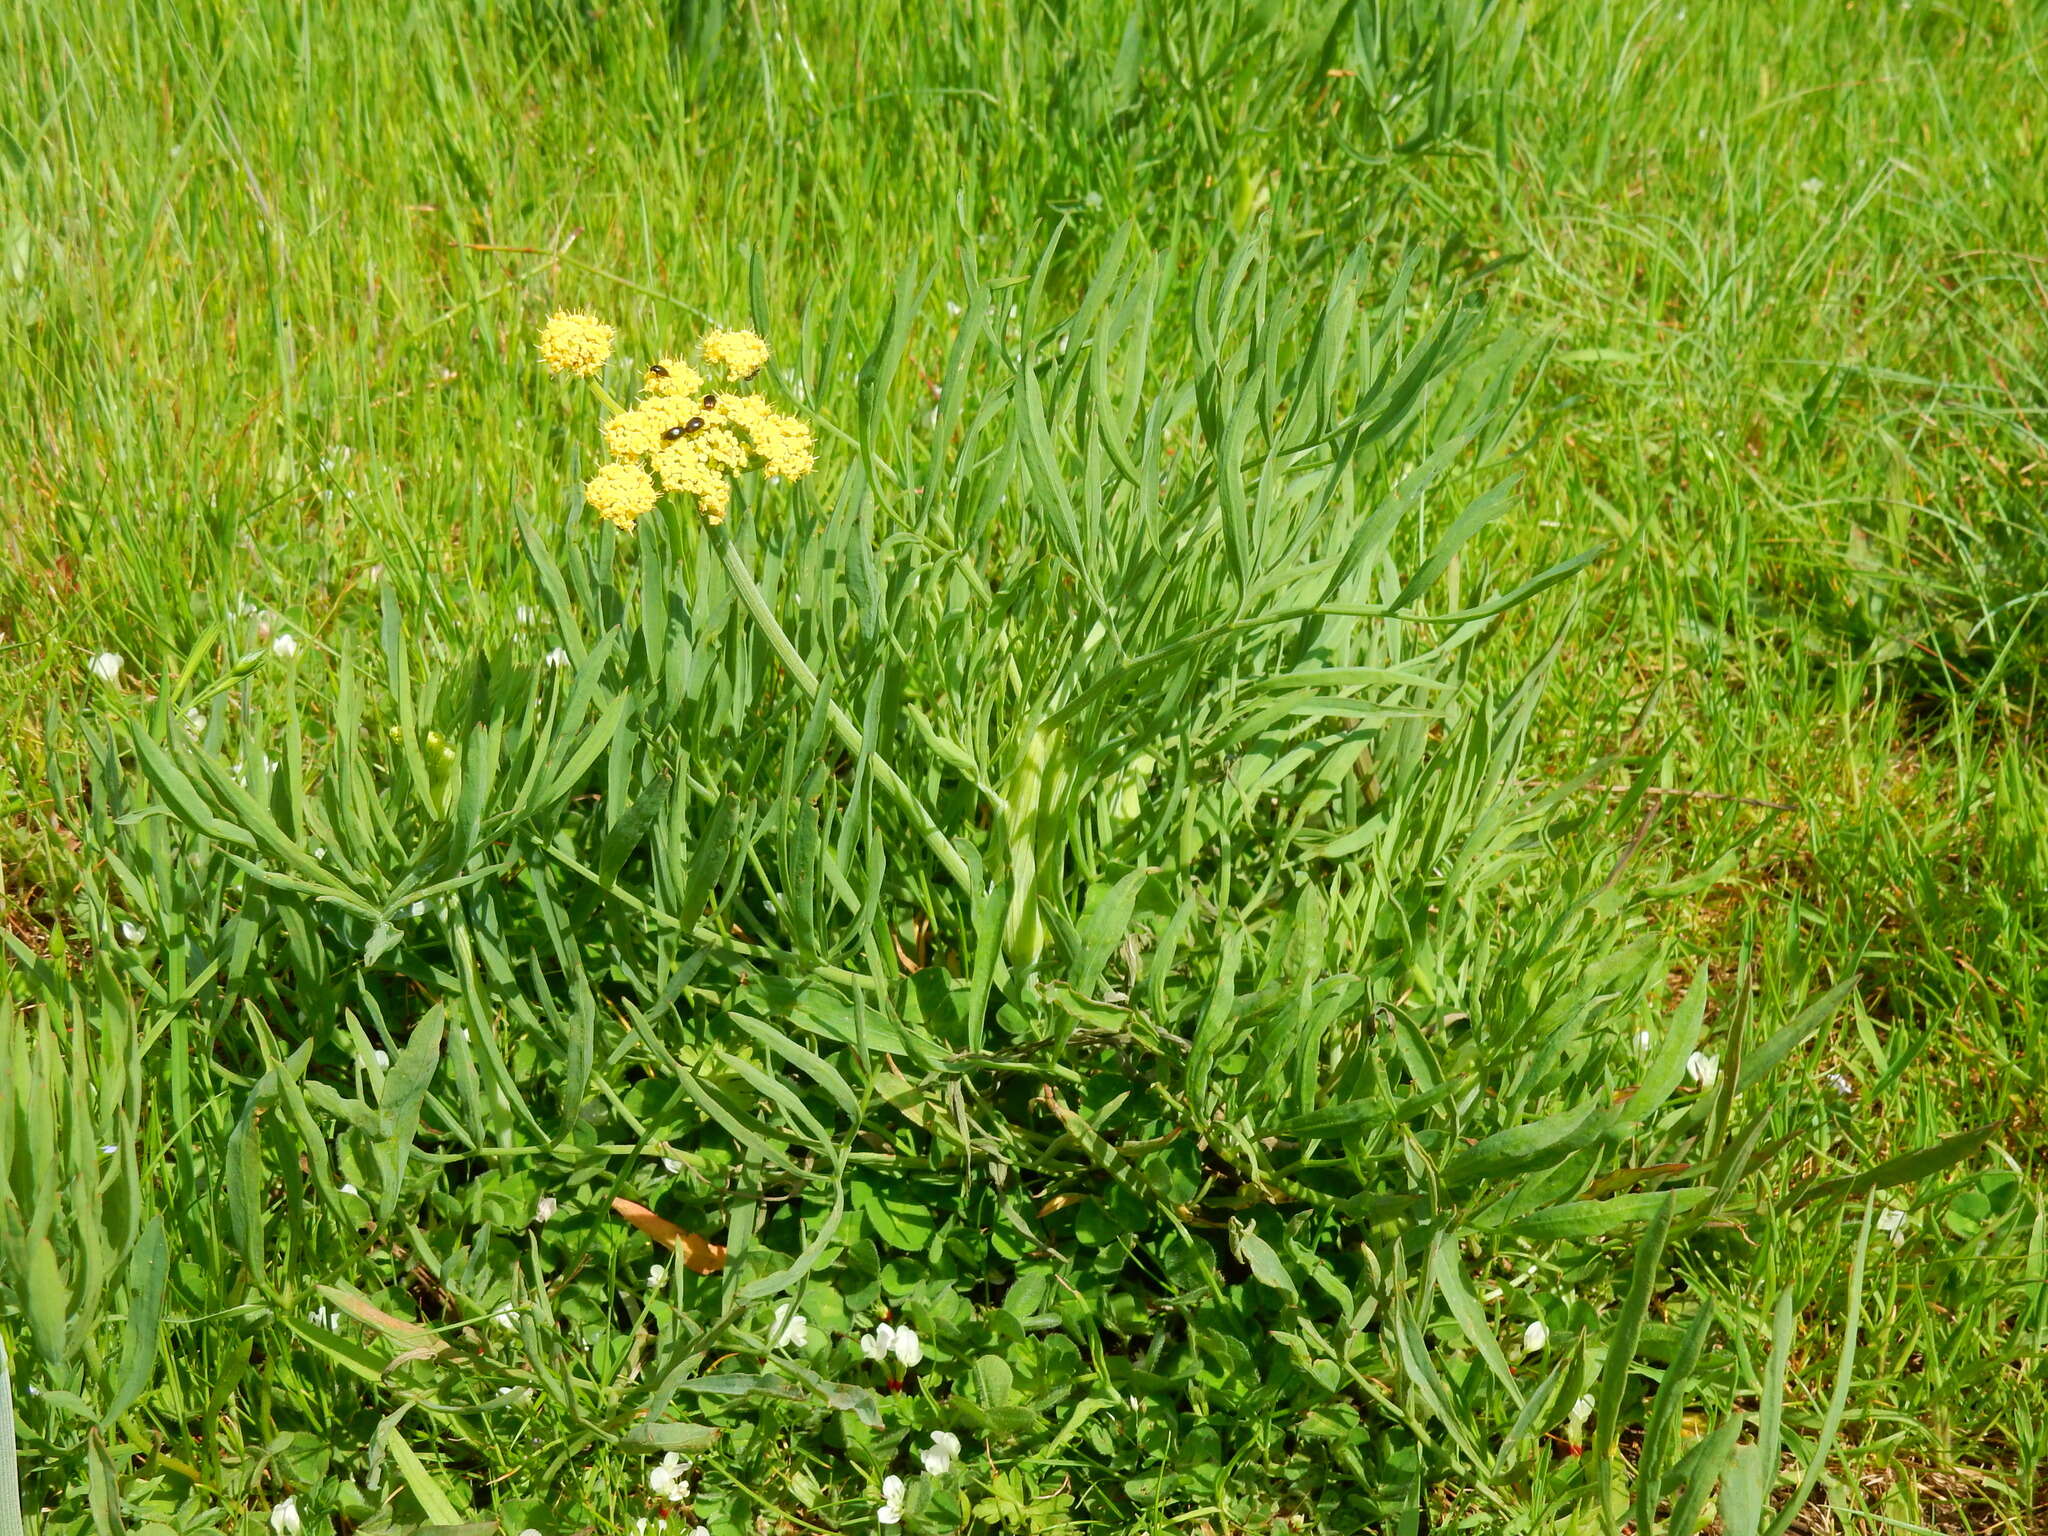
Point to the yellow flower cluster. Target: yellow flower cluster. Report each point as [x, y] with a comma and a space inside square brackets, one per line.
[740, 353]
[621, 494]
[576, 344]
[681, 437]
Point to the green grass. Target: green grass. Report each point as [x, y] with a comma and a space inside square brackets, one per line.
[1217, 407]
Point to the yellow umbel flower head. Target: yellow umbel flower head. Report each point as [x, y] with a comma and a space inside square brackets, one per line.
[740, 353]
[686, 471]
[621, 494]
[672, 377]
[680, 438]
[633, 434]
[781, 443]
[576, 344]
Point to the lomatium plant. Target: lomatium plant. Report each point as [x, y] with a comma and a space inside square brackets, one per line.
[686, 435]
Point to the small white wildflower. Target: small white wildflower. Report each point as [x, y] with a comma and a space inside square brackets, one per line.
[382, 1058]
[109, 1150]
[523, 616]
[1582, 1410]
[700, 1530]
[1841, 1083]
[667, 1480]
[1702, 1068]
[107, 668]
[1534, 1337]
[556, 658]
[325, 1317]
[285, 646]
[909, 1349]
[284, 1519]
[1892, 1222]
[672, 1164]
[938, 1461]
[195, 722]
[1642, 1042]
[417, 909]
[790, 1330]
[133, 933]
[657, 1277]
[1813, 186]
[891, 1510]
[875, 1346]
[507, 1318]
[529, 1531]
[544, 1209]
[350, 1189]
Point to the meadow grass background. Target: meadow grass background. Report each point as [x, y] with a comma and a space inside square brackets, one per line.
[1749, 301]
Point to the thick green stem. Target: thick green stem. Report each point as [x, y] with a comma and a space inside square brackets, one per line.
[756, 605]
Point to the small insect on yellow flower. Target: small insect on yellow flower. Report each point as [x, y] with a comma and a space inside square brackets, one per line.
[621, 494]
[578, 344]
[671, 376]
[740, 353]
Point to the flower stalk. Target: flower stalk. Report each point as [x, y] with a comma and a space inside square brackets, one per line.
[751, 599]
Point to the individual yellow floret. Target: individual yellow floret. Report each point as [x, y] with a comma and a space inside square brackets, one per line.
[740, 353]
[577, 344]
[622, 494]
[673, 376]
[633, 434]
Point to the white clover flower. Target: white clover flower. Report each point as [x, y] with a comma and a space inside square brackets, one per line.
[667, 1480]
[891, 1510]
[544, 1209]
[886, 1341]
[556, 658]
[643, 1525]
[938, 1461]
[657, 1277]
[133, 933]
[284, 1519]
[285, 646]
[700, 1530]
[1534, 1337]
[790, 1330]
[1703, 1069]
[107, 668]
[1892, 1222]
[1582, 1410]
